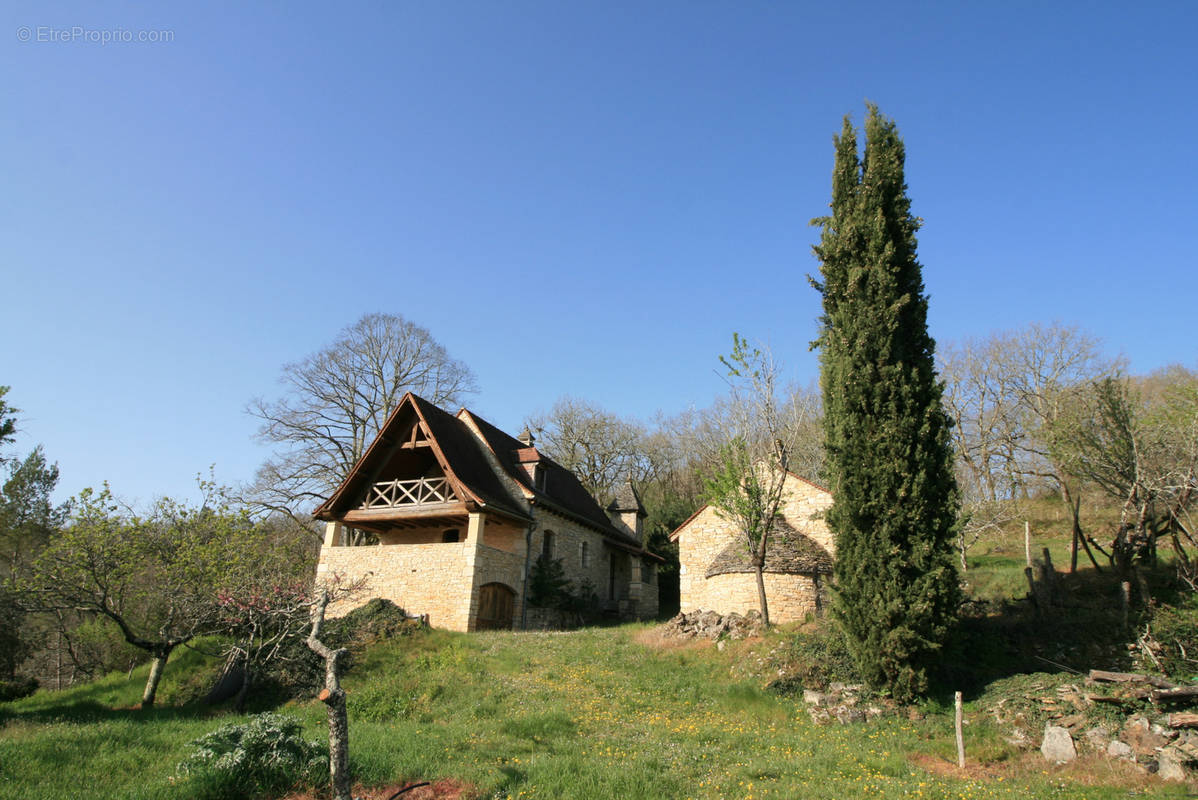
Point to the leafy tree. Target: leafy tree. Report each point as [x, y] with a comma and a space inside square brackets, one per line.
[889, 460]
[28, 516]
[28, 521]
[751, 458]
[8, 419]
[336, 401]
[162, 578]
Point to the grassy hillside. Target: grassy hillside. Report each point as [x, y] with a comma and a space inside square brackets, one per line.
[622, 712]
[605, 712]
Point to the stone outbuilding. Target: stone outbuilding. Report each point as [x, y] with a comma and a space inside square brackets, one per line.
[714, 569]
[460, 511]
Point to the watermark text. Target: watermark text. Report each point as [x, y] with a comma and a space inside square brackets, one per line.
[81, 34]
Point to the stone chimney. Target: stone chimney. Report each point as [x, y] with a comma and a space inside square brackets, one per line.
[627, 513]
[529, 459]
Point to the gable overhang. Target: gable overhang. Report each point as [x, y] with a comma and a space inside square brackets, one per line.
[677, 532]
[380, 451]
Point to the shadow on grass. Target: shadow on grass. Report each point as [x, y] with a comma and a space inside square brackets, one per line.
[84, 710]
[1082, 629]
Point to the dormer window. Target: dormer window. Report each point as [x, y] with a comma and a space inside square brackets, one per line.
[530, 461]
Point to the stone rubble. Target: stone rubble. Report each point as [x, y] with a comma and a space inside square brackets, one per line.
[841, 703]
[1058, 747]
[1145, 739]
[712, 625]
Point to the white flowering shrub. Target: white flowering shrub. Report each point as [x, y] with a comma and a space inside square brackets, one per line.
[266, 753]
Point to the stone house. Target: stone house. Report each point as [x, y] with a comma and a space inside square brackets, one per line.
[714, 569]
[461, 511]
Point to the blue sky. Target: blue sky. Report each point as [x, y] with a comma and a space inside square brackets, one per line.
[574, 198]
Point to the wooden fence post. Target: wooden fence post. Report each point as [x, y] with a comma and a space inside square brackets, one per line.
[960, 733]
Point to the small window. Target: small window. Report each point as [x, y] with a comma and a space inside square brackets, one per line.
[538, 478]
[451, 535]
[648, 570]
[547, 545]
[584, 554]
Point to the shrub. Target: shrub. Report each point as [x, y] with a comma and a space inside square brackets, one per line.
[296, 671]
[1172, 640]
[17, 688]
[812, 657]
[548, 587]
[265, 754]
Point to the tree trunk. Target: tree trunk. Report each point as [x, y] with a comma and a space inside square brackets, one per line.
[333, 696]
[1074, 504]
[157, 665]
[338, 740]
[244, 691]
[765, 609]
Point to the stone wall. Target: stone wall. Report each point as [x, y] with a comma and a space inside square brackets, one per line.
[790, 597]
[434, 579]
[568, 539]
[425, 576]
[439, 579]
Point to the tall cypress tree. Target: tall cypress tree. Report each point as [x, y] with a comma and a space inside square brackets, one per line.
[889, 458]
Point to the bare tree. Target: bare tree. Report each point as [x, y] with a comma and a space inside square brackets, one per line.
[1004, 395]
[1137, 439]
[601, 448]
[986, 423]
[980, 518]
[333, 696]
[335, 403]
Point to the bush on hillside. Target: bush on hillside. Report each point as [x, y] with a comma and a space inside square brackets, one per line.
[297, 671]
[263, 755]
[1170, 644]
[812, 657]
[17, 688]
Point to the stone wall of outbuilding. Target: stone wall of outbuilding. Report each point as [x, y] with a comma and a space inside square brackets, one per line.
[790, 597]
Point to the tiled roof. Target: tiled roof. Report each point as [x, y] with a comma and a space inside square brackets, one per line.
[627, 499]
[788, 552]
[465, 462]
[561, 490]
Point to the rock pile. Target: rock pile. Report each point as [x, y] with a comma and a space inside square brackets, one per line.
[840, 703]
[1164, 743]
[711, 625]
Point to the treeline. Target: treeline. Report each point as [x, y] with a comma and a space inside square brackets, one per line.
[1040, 411]
[89, 586]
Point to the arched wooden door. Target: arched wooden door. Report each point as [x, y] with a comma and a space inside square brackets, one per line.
[496, 602]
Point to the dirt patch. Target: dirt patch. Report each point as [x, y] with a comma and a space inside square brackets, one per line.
[446, 789]
[1086, 771]
[949, 769]
[662, 638]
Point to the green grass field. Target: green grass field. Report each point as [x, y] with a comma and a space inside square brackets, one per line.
[599, 713]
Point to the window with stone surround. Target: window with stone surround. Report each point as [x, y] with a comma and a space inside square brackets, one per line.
[584, 554]
[547, 545]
